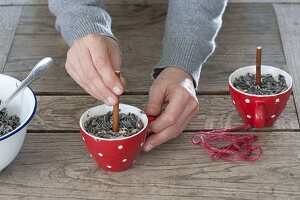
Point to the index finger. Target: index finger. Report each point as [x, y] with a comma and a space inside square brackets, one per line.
[102, 62]
[170, 116]
[169, 133]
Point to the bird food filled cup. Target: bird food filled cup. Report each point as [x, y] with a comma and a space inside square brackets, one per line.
[260, 106]
[119, 152]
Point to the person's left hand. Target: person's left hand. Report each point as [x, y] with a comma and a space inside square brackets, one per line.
[175, 87]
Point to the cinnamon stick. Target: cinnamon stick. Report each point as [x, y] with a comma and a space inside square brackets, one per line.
[115, 126]
[258, 65]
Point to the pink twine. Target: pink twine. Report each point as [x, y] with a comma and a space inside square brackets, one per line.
[239, 148]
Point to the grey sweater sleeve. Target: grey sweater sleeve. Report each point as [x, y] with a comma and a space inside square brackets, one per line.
[78, 18]
[191, 28]
[190, 31]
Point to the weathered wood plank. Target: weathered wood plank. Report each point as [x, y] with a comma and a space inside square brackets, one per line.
[140, 30]
[145, 2]
[288, 21]
[107, 2]
[9, 17]
[63, 112]
[23, 2]
[57, 165]
[36, 20]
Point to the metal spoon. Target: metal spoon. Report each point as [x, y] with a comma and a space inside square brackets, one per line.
[39, 70]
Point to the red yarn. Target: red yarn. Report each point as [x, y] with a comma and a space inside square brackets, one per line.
[239, 147]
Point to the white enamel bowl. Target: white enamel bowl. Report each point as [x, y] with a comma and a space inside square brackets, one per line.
[23, 105]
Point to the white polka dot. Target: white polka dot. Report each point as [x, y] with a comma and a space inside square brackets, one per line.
[134, 161]
[83, 139]
[273, 116]
[142, 143]
[91, 155]
[247, 100]
[108, 166]
[120, 147]
[248, 116]
[277, 100]
[100, 154]
[233, 101]
[124, 160]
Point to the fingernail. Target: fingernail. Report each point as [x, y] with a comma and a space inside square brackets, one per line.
[117, 90]
[148, 148]
[110, 100]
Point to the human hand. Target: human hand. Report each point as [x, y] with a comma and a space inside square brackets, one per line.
[92, 62]
[175, 87]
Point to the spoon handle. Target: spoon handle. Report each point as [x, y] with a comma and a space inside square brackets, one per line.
[39, 70]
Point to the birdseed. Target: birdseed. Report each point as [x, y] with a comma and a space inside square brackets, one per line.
[101, 125]
[269, 84]
[7, 123]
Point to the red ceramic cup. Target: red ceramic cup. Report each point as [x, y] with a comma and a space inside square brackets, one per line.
[115, 154]
[259, 110]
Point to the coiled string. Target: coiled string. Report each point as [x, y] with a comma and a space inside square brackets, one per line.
[240, 145]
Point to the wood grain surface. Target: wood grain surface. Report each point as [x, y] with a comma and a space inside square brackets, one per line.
[59, 113]
[140, 30]
[23, 2]
[54, 162]
[58, 166]
[107, 2]
[145, 2]
[9, 17]
[288, 16]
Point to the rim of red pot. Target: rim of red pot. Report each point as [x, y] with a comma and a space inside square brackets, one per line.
[113, 139]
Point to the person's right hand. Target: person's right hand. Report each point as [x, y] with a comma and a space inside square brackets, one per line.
[92, 62]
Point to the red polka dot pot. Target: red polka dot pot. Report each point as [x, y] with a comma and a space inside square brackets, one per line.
[115, 154]
[259, 110]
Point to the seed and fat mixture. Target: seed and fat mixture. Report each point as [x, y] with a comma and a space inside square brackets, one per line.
[101, 125]
[7, 123]
[269, 85]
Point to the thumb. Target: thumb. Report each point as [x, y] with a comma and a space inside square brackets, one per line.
[156, 100]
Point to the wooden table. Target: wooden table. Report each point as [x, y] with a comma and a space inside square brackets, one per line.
[54, 162]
